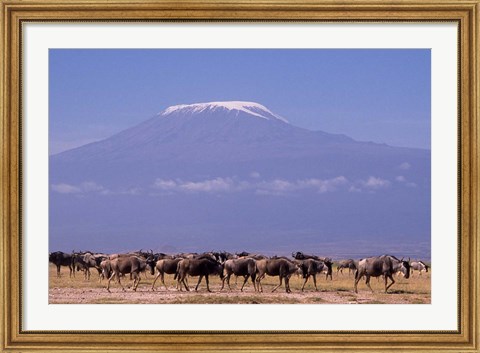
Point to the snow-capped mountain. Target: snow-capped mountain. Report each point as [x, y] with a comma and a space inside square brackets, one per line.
[217, 130]
[236, 174]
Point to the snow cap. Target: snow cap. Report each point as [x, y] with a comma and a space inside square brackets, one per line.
[251, 108]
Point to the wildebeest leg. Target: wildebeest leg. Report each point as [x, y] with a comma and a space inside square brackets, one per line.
[245, 281]
[287, 284]
[253, 281]
[199, 280]
[358, 277]
[162, 277]
[305, 282]
[315, 281]
[70, 268]
[281, 279]
[206, 280]
[391, 284]
[58, 270]
[136, 281]
[109, 279]
[184, 283]
[259, 284]
[226, 278]
[120, 283]
[367, 282]
[155, 280]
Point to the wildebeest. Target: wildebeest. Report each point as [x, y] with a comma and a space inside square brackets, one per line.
[129, 264]
[310, 268]
[280, 267]
[298, 255]
[202, 267]
[106, 269]
[59, 258]
[163, 266]
[83, 261]
[244, 267]
[419, 266]
[385, 265]
[350, 264]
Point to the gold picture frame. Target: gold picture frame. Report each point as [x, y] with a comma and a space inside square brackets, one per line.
[14, 13]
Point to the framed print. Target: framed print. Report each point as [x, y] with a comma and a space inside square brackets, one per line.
[179, 163]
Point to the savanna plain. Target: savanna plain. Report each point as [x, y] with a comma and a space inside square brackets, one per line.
[339, 290]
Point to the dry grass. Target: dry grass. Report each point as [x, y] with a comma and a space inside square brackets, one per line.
[65, 290]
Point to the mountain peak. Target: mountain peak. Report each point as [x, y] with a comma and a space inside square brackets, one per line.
[250, 108]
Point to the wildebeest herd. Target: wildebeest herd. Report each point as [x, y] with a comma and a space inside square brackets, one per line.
[253, 267]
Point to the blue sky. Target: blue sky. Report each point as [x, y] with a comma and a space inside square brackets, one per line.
[370, 95]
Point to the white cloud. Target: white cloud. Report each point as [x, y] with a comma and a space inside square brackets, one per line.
[165, 184]
[405, 166]
[277, 185]
[375, 183]
[324, 185]
[400, 179]
[82, 188]
[210, 185]
[264, 187]
[255, 175]
[213, 185]
[66, 189]
[90, 186]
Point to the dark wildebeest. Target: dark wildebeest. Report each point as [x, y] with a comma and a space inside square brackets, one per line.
[419, 266]
[244, 267]
[129, 264]
[385, 265]
[59, 258]
[168, 266]
[310, 268]
[326, 260]
[350, 264]
[242, 254]
[202, 267]
[280, 267]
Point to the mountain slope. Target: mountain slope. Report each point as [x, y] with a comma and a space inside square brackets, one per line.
[236, 174]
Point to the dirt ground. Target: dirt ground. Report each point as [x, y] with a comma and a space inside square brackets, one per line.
[78, 290]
